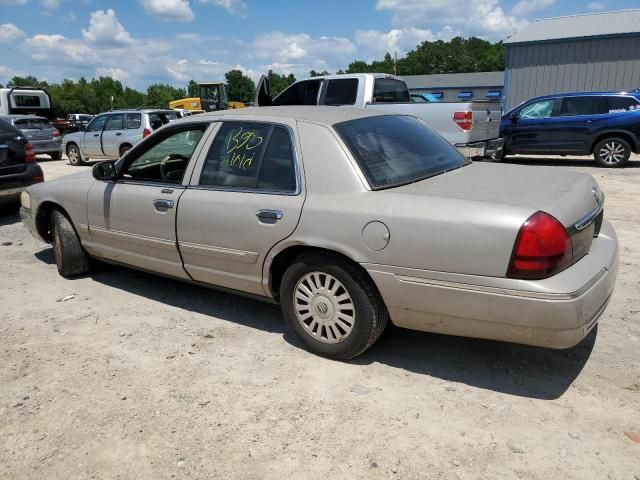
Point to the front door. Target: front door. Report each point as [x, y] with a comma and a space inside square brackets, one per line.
[244, 198]
[133, 220]
[529, 130]
[92, 147]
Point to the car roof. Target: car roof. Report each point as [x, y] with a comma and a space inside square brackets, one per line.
[325, 115]
[23, 117]
[632, 93]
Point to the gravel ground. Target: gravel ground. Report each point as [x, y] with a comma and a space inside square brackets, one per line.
[123, 375]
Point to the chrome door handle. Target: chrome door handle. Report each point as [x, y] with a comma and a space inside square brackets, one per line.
[162, 204]
[267, 214]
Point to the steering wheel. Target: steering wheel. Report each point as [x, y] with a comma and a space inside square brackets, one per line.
[164, 164]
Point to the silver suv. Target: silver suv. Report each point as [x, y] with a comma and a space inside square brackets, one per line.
[112, 134]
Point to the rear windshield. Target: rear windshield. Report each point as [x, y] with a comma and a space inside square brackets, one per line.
[37, 123]
[26, 100]
[343, 91]
[390, 90]
[396, 150]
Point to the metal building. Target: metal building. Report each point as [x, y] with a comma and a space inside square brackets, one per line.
[459, 87]
[593, 52]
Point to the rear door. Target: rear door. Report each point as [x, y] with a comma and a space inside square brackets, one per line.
[112, 135]
[12, 153]
[245, 196]
[579, 119]
[528, 130]
[92, 136]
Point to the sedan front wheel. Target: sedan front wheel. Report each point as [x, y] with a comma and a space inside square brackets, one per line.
[332, 305]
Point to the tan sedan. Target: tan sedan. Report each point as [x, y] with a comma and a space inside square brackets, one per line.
[348, 218]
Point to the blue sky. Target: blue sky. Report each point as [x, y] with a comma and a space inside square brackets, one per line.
[145, 41]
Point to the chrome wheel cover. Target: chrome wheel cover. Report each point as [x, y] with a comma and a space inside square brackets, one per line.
[612, 152]
[73, 154]
[324, 307]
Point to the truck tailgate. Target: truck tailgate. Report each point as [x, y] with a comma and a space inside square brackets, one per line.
[486, 121]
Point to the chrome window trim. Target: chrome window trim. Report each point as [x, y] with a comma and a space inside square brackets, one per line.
[588, 219]
[221, 188]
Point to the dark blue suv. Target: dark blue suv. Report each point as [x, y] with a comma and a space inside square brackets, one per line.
[605, 124]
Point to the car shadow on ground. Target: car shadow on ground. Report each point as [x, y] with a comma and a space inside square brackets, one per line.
[561, 161]
[9, 214]
[501, 367]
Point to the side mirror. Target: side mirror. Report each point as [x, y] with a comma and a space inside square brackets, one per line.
[515, 116]
[104, 171]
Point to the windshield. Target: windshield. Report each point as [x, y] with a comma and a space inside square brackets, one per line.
[209, 92]
[395, 150]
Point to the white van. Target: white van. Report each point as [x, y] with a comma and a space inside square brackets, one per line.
[26, 101]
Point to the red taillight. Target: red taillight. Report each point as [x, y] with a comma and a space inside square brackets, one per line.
[29, 154]
[56, 132]
[542, 248]
[38, 179]
[146, 132]
[464, 120]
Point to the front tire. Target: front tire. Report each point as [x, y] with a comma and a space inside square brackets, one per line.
[332, 305]
[74, 156]
[612, 152]
[56, 155]
[124, 149]
[71, 259]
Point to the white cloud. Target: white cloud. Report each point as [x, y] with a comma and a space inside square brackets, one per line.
[480, 17]
[525, 7]
[374, 44]
[234, 7]
[115, 73]
[12, 3]
[105, 30]
[178, 10]
[50, 4]
[7, 73]
[9, 32]
[596, 6]
[205, 70]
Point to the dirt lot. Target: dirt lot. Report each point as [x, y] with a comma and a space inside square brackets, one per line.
[139, 377]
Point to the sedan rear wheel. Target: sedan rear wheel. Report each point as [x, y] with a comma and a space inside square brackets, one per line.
[612, 152]
[332, 305]
[73, 153]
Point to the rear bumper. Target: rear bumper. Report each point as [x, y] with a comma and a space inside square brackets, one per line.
[489, 148]
[11, 186]
[47, 146]
[557, 312]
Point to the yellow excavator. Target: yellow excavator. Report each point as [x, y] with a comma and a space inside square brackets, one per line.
[213, 97]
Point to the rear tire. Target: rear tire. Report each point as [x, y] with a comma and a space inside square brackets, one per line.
[56, 155]
[73, 154]
[124, 149]
[71, 258]
[318, 291]
[612, 152]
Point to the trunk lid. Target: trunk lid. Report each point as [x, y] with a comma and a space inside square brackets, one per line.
[573, 198]
[35, 129]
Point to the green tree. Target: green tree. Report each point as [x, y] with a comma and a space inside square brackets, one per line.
[240, 88]
[159, 95]
[193, 89]
[313, 73]
[278, 82]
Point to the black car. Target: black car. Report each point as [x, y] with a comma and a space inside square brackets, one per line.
[18, 167]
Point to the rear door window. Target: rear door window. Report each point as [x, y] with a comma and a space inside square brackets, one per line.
[342, 91]
[252, 156]
[301, 93]
[22, 100]
[115, 122]
[390, 90]
[588, 105]
[133, 121]
[621, 104]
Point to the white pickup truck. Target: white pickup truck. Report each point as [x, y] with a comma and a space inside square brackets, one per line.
[473, 127]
